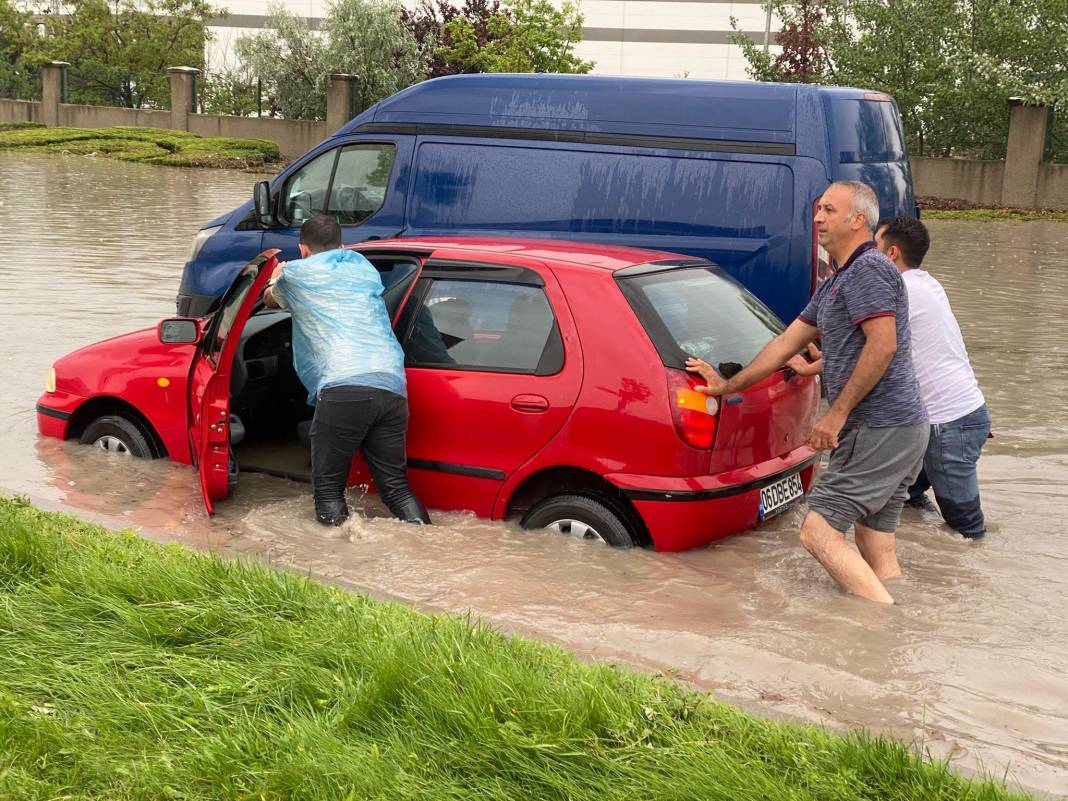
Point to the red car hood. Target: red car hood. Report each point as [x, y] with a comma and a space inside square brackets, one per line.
[105, 367]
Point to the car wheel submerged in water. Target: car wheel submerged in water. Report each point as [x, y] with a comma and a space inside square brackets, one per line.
[582, 517]
[119, 435]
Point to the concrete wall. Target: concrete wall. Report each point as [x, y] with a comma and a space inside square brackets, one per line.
[75, 116]
[969, 179]
[19, 111]
[293, 137]
[1052, 186]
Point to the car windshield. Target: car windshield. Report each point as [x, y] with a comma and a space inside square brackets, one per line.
[699, 311]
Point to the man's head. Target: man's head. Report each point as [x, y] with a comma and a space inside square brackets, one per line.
[904, 240]
[318, 234]
[846, 214]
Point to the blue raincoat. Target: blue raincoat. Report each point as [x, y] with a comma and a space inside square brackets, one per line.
[341, 331]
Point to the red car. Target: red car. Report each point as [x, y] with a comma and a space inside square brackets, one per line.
[545, 383]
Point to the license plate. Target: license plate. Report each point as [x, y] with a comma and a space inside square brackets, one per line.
[774, 498]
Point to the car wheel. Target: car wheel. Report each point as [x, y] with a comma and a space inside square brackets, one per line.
[583, 517]
[119, 435]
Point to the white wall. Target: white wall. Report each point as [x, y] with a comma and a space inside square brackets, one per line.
[661, 38]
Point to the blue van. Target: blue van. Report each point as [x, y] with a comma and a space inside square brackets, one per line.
[727, 171]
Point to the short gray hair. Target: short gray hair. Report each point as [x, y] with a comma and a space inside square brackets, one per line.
[864, 201]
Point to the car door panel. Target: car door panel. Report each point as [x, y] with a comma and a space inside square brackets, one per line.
[209, 380]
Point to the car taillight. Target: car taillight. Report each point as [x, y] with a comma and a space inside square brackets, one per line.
[821, 259]
[694, 413]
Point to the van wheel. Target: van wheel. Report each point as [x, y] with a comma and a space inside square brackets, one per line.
[582, 517]
[116, 434]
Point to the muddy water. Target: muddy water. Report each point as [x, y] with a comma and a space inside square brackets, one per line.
[970, 662]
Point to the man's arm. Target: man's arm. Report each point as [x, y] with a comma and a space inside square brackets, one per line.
[774, 355]
[879, 349]
[800, 365]
[269, 298]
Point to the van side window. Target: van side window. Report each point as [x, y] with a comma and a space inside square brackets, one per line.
[349, 184]
[360, 180]
[483, 325]
[305, 191]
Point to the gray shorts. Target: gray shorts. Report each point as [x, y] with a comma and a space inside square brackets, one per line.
[868, 478]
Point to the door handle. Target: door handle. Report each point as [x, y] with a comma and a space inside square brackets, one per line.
[530, 403]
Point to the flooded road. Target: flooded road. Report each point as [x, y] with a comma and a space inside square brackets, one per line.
[970, 662]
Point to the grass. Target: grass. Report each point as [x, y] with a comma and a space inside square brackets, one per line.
[146, 145]
[1022, 215]
[130, 670]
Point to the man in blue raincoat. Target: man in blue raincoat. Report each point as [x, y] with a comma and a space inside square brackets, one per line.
[346, 354]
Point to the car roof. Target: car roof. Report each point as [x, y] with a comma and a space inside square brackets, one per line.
[483, 248]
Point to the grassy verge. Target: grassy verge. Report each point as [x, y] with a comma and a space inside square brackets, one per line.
[130, 670]
[1022, 215]
[146, 145]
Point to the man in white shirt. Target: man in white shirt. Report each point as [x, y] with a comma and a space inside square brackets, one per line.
[960, 423]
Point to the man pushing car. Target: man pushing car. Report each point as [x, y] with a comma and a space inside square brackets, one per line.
[347, 356]
[876, 425]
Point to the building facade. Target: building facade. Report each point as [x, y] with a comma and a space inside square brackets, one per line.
[660, 38]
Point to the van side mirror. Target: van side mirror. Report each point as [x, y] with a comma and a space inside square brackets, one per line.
[261, 202]
[178, 331]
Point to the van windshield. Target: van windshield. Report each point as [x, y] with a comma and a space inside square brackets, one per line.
[699, 311]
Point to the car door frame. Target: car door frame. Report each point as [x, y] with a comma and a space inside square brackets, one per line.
[209, 385]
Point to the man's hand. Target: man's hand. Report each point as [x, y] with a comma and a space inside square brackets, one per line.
[277, 272]
[800, 365]
[825, 433]
[716, 384]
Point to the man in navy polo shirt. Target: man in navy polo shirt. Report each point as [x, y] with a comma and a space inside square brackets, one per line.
[876, 425]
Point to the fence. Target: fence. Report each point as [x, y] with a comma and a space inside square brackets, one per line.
[1022, 179]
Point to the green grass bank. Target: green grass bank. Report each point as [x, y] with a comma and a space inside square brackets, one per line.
[130, 670]
[145, 145]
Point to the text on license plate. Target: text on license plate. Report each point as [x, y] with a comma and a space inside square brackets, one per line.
[776, 497]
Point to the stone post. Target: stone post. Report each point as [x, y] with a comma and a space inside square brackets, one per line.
[182, 79]
[53, 76]
[339, 97]
[1023, 154]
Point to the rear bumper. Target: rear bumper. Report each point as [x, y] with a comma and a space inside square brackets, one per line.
[54, 411]
[683, 513]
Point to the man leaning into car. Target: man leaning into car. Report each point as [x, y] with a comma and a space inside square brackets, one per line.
[347, 356]
[876, 425]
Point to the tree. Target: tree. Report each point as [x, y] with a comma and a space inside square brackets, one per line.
[429, 22]
[18, 36]
[803, 58]
[951, 65]
[361, 37]
[119, 51]
[524, 36]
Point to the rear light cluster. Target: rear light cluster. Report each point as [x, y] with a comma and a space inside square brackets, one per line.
[694, 413]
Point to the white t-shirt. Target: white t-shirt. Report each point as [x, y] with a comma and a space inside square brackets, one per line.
[947, 383]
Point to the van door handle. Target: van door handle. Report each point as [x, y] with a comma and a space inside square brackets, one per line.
[530, 403]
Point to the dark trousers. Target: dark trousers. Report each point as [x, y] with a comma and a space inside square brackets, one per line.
[373, 422]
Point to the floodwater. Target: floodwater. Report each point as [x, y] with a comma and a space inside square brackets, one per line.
[970, 662]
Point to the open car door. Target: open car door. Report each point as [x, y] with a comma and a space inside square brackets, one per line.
[209, 379]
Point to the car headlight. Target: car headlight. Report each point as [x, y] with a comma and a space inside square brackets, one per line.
[50, 380]
[198, 241]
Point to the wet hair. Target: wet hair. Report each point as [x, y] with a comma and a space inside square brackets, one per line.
[320, 233]
[864, 201]
[909, 235]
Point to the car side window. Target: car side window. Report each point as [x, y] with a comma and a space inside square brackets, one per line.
[305, 192]
[483, 325]
[348, 183]
[360, 180]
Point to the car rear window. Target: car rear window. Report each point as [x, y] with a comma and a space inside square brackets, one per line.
[700, 311]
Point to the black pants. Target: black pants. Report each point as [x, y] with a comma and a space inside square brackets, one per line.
[373, 422]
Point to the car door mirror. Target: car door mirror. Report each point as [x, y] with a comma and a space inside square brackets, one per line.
[179, 331]
[261, 202]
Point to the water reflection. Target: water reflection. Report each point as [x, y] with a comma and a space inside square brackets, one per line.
[969, 660]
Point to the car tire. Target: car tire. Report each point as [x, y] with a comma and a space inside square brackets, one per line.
[116, 434]
[582, 516]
